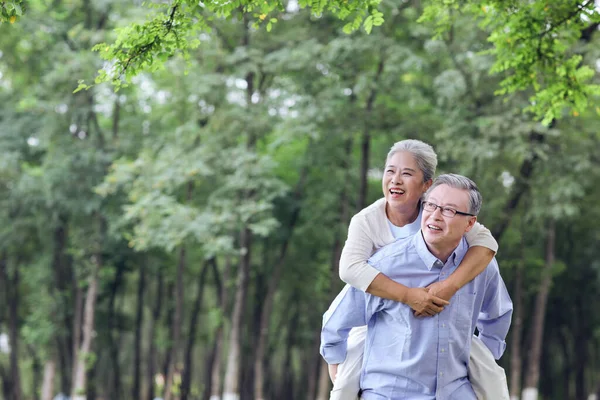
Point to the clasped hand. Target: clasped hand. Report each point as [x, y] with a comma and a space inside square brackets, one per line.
[430, 300]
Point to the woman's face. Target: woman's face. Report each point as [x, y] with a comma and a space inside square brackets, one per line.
[402, 181]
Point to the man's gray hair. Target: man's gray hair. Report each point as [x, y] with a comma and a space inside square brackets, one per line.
[460, 182]
[422, 152]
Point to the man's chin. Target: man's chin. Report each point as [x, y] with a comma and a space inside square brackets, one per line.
[432, 238]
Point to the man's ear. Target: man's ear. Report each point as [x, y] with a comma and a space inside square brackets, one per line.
[472, 221]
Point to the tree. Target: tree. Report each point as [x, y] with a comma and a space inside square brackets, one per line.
[540, 35]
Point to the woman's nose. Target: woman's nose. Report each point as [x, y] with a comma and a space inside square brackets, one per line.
[397, 178]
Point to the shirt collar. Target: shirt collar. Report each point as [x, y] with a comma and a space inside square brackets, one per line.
[429, 259]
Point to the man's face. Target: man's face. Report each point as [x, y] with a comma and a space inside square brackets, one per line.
[439, 230]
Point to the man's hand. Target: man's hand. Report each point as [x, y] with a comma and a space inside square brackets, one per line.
[442, 290]
[333, 371]
[423, 302]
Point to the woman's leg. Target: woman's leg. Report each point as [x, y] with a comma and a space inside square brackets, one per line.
[487, 378]
[347, 381]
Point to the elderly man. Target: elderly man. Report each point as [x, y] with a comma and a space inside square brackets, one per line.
[424, 358]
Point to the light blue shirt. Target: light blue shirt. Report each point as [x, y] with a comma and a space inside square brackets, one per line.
[419, 358]
[402, 232]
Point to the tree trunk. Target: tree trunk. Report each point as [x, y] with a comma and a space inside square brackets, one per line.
[78, 313]
[313, 367]
[48, 382]
[215, 391]
[91, 379]
[6, 383]
[287, 388]
[231, 390]
[139, 320]
[156, 311]
[336, 252]
[521, 186]
[209, 361]
[85, 351]
[169, 315]
[516, 361]
[79, 380]
[176, 326]
[36, 370]
[63, 365]
[11, 289]
[533, 368]
[191, 339]
[115, 390]
[63, 275]
[366, 141]
[252, 327]
[581, 351]
[259, 365]
[178, 318]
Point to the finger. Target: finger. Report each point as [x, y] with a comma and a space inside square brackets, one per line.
[435, 312]
[439, 301]
[428, 312]
[436, 309]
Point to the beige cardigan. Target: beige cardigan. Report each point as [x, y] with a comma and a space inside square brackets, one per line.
[369, 231]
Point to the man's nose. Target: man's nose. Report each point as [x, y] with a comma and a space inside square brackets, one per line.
[437, 214]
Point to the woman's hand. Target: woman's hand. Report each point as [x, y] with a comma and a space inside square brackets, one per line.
[424, 302]
[332, 371]
[442, 290]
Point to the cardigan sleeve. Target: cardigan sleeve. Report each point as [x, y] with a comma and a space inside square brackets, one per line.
[479, 235]
[359, 246]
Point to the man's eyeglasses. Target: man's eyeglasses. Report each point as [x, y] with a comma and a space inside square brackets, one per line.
[446, 211]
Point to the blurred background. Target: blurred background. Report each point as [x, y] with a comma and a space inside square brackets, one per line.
[181, 237]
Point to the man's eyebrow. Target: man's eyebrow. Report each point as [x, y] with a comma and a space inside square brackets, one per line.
[433, 200]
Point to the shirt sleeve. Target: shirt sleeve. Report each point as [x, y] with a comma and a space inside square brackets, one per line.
[496, 313]
[351, 308]
[354, 269]
[479, 235]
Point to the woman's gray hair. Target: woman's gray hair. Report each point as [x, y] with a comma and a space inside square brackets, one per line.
[422, 152]
[460, 182]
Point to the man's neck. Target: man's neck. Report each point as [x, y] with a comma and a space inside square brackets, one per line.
[442, 253]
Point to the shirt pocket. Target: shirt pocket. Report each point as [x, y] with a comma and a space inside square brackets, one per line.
[464, 302]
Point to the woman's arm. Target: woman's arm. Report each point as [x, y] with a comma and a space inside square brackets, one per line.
[482, 248]
[422, 300]
[355, 271]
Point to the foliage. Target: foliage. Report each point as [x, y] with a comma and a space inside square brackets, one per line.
[267, 131]
[175, 28]
[533, 44]
[11, 10]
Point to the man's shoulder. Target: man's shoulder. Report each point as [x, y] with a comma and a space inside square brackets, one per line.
[493, 267]
[400, 247]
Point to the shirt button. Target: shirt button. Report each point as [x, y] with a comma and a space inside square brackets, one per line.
[443, 325]
[441, 374]
[443, 350]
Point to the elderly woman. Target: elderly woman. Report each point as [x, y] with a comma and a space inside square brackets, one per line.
[409, 170]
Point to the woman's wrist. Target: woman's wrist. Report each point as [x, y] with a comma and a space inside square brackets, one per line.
[452, 284]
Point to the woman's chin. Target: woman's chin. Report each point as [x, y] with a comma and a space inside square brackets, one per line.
[401, 201]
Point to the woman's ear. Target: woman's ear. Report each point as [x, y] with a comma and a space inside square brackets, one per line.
[427, 184]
